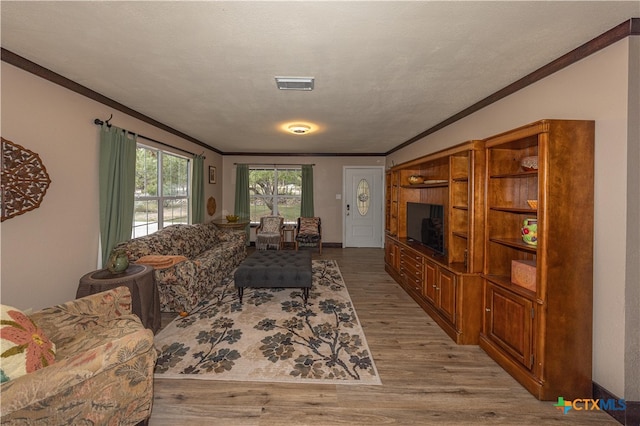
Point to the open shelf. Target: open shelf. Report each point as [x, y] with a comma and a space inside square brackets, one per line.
[460, 234]
[505, 281]
[520, 174]
[514, 210]
[515, 243]
[427, 185]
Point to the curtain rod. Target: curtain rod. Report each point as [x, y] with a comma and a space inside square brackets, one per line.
[273, 164]
[99, 122]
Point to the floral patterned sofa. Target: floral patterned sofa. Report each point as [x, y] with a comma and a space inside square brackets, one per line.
[103, 368]
[211, 254]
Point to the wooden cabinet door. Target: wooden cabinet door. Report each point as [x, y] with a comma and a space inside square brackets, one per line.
[430, 283]
[447, 294]
[509, 323]
[389, 252]
[392, 254]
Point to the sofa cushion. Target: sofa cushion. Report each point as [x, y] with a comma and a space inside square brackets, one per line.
[309, 226]
[183, 240]
[24, 348]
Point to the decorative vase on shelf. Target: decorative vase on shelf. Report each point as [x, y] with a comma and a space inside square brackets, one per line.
[530, 231]
[118, 262]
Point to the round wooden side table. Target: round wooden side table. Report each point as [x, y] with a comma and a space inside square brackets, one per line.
[145, 299]
[225, 224]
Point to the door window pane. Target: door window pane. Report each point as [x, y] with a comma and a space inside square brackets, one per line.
[364, 197]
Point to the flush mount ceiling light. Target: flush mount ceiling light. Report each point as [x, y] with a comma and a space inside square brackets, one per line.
[299, 129]
[295, 83]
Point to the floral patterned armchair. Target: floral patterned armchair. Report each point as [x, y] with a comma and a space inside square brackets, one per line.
[309, 232]
[103, 369]
[269, 234]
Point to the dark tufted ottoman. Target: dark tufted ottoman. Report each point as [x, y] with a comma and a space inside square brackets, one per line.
[275, 269]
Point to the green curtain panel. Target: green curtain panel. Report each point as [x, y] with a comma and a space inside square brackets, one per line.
[306, 202]
[197, 190]
[117, 172]
[242, 203]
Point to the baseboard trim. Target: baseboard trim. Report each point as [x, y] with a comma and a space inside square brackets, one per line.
[630, 416]
[330, 245]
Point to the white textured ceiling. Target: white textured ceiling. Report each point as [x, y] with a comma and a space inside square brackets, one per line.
[384, 71]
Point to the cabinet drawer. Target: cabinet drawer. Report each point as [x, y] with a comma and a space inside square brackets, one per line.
[410, 272]
[411, 266]
[411, 259]
[415, 282]
[412, 269]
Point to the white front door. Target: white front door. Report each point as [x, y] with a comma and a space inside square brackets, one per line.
[362, 205]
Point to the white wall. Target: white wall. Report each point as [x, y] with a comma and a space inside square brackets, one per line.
[327, 183]
[47, 250]
[595, 88]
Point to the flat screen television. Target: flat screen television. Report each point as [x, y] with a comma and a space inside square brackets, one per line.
[426, 225]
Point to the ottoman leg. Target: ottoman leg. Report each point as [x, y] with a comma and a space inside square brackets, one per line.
[240, 291]
[305, 293]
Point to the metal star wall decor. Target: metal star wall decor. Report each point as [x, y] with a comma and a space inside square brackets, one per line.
[23, 181]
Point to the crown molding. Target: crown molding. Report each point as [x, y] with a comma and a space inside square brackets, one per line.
[45, 73]
[627, 28]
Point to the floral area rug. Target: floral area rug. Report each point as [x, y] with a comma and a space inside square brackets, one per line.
[271, 336]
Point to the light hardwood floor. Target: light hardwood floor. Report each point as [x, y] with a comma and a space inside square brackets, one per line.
[426, 378]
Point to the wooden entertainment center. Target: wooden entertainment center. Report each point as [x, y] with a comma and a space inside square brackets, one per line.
[540, 331]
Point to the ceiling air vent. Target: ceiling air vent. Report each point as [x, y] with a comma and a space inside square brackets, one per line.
[295, 83]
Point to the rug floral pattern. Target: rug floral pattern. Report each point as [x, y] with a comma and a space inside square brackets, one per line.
[272, 336]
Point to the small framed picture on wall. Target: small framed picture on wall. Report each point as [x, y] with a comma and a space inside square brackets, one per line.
[212, 174]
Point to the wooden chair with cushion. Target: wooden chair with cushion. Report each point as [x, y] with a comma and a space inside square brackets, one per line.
[309, 232]
[270, 234]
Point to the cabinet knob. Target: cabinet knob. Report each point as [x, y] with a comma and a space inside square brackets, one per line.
[487, 309]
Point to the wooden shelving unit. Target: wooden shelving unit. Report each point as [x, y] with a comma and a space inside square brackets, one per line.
[542, 337]
[540, 331]
[449, 287]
